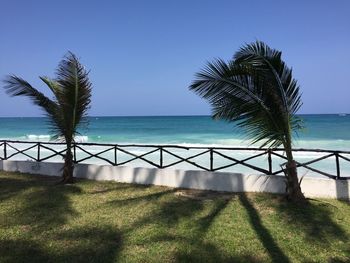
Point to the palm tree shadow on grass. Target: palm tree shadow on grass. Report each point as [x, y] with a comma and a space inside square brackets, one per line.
[313, 219]
[11, 187]
[92, 244]
[201, 249]
[48, 206]
[207, 252]
[275, 252]
[87, 244]
[141, 198]
[171, 212]
[105, 190]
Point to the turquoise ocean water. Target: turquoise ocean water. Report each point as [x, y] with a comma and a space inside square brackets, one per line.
[322, 132]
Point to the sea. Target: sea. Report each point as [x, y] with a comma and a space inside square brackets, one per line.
[322, 131]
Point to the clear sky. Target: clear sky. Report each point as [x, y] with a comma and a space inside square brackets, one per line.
[143, 54]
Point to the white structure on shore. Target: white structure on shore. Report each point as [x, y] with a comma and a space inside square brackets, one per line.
[193, 179]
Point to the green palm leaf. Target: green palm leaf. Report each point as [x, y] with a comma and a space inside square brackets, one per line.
[257, 90]
[71, 90]
[16, 86]
[73, 94]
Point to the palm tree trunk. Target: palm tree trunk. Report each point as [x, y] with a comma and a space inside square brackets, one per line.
[294, 192]
[68, 166]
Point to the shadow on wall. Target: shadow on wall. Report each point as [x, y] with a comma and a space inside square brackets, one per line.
[192, 179]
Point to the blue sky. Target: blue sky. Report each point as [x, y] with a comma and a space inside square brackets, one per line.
[143, 54]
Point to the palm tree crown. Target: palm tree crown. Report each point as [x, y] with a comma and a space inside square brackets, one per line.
[71, 88]
[256, 89]
[67, 110]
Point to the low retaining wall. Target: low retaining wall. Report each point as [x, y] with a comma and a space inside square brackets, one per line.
[218, 181]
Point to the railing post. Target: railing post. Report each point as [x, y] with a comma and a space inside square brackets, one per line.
[337, 165]
[115, 155]
[74, 153]
[211, 160]
[38, 156]
[161, 157]
[5, 151]
[270, 161]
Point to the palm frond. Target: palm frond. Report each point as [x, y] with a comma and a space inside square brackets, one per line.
[274, 70]
[237, 93]
[255, 89]
[16, 86]
[73, 94]
[51, 84]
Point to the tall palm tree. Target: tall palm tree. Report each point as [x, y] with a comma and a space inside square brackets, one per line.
[256, 89]
[67, 110]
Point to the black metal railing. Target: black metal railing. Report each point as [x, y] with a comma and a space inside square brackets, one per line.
[10, 149]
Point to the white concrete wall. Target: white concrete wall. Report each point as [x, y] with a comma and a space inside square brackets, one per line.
[218, 181]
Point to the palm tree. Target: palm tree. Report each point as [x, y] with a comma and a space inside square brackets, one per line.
[256, 89]
[67, 110]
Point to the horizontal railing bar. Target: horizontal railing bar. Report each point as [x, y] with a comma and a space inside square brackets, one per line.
[221, 151]
[183, 147]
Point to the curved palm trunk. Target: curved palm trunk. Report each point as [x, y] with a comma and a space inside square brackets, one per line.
[294, 192]
[68, 166]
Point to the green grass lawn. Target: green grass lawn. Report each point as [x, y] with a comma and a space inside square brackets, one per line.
[112, 222]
